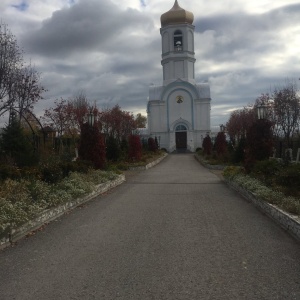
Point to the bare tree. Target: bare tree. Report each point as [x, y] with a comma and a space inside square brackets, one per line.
[80, 108]
[11, 60]
[141, 121]
[27, 90]
[287, 110]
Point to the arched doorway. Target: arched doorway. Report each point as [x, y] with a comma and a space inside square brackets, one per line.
[181, 137]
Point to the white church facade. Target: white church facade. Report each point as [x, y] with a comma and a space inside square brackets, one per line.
[178, 111]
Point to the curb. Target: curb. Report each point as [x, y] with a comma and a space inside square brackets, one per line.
[289, 222]
[51, 214]
[208, 166]
[150, 165]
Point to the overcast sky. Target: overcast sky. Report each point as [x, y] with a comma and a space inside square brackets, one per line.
[111, 49]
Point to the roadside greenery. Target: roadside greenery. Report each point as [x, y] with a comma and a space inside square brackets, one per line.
[251, 140]
[22, 200]
[271, 180]
[26, 192]
[275, 193]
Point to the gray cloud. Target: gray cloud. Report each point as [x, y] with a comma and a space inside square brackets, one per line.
[235, 36]
[85, 26]
[113, 54]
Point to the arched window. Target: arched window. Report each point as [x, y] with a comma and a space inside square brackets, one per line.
[178, 45]
[181, 128]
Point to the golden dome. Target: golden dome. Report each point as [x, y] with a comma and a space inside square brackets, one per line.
[176, 15]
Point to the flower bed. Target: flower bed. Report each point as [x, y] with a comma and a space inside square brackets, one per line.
[285, 210]
[22, 201]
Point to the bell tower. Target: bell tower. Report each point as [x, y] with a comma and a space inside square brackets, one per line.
[179, 109]
[178, 56]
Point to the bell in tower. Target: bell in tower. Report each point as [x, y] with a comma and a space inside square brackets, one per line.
[177, 32]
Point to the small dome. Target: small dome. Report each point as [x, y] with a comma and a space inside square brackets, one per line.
[176, 15]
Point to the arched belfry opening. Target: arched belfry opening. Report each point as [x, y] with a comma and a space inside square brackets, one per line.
[178, 41]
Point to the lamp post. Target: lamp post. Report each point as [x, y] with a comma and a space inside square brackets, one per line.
[222, 128]
[259, 138]
[91, 118]
[261, 111]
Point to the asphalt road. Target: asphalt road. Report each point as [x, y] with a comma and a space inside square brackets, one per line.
[175, 231]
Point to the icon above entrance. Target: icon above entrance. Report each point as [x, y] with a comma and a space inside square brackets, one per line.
[181, 128]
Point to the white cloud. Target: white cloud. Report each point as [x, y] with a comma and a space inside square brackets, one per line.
[111, 48]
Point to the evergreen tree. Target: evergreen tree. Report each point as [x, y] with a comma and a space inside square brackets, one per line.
[113, 151]
[16, 145]
[207, 145]
[92, 145]
[221, 144]
[239, 153]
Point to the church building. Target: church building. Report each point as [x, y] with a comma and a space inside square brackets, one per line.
[178, 110]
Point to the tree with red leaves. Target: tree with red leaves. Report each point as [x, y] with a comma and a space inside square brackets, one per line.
[57, 117]
[117, 123]
[92, 145]
[135, 147]
[239, 122]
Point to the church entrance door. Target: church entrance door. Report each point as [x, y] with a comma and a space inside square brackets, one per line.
[181, 140]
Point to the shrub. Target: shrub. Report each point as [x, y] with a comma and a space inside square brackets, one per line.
[98, 176]
[16, 206]
[207, 145]
[92, 146]
[39, 192]
[15, 144]
[221, 144]
[292, 205]
[31, 173]
[289, 179]
[79, 166]
[259, 143]
[57, 197]
[22, 200]
[75, 186]
[289, 204]
[231, 171]
[239, 152]
[113, 150]
[82, 166]
[135, 147]
[266, 170]
[124, 148]
[51, 171]
[9, 171]
[123, 166]
[152, 145]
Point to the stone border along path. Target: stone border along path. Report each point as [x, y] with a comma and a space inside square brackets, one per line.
[51, 214]
[291, 223]
[54, 213]
[148, 166]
